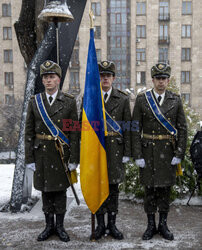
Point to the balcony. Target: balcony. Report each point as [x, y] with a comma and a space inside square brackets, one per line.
[164, 17]
[164, 40]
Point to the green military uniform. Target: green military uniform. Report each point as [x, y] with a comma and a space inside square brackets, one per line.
[153, 143]
[40, 149]
[116, 146]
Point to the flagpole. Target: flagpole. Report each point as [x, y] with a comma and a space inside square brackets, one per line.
[92, 215]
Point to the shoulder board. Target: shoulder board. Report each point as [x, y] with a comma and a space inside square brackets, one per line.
[122, 92]
[68, 95]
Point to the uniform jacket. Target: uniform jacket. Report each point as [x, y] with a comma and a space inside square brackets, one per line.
[50, 174]
[158, 154]
[117, 146]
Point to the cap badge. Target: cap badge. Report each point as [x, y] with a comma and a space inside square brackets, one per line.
[105, 64]
[161, 66]
[47, 64]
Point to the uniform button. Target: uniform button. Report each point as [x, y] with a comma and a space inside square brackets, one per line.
[153, 132]
[58, 120]
[44, 146]
[153, 144]
[114, 117]
[112, 140]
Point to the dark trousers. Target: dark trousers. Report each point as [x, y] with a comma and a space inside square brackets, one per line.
[110, 205]
[54, 202]
[157, 197]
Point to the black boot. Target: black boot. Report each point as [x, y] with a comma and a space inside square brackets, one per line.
[113, 231]
[163, 228]
[59, 230]
[151, 227]
[100, 229]
[49, 230]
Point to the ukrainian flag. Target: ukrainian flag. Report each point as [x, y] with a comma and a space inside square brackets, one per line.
[93, 159]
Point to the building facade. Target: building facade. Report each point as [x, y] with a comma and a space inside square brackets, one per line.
[135, 34]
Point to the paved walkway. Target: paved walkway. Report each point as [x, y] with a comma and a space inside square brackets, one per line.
[19, 231]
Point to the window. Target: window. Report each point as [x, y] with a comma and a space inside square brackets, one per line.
[8, 78]
[186, 54]
[6, 9]
[186, 31]
[7, 33]
[141, 31]
[98, 53]
[96, 9]
[118, 42]
[185, 77]
[9, 99]
[75, 58]
[97, 32]
[164, 10]
[163, 55]
[74, 80]
[163, 32]
[141, 78]
[186, 8]
[186, 98]
[118, 18]
[8, 56]
[141, 8]
[140, 55]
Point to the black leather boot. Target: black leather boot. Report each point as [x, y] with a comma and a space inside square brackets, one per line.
[49, 230]
[59, 230]
[100, 229]
[151, 227]
[163, 228]
[113, 231]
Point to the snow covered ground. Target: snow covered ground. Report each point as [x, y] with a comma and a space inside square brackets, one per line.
[19, 231]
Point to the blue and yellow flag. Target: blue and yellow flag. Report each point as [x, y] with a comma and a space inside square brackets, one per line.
[93, 159]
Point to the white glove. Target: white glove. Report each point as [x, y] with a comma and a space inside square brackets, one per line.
[72, 166]
[140, 163]
[125, 159]
[31, 166]
[175, 161]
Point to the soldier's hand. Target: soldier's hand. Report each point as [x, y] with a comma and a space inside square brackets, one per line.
[140, 163]
[125, 159]
[175, 161]
[72, 166]
[31, 166]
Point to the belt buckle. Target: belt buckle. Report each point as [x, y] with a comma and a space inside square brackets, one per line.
[49, 137]
[160, 137]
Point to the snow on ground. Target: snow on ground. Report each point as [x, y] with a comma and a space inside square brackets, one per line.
[19, 231]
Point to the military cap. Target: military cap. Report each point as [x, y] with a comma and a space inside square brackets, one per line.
[161, 70]
[50, 67]
[106, 67]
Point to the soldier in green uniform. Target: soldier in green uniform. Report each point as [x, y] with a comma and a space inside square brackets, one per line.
[118, 148]
[158, 145]
[41, 154]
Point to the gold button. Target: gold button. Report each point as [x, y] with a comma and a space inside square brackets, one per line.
[113, 117]
[58, 120]
[153, 144]
[153, 132]
[44, 146]
[112, 140]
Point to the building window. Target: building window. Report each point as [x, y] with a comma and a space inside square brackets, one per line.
[186, 54]
[186, 31]
[97, 33]
[118, 42]
[9, 99]
[141, 78]
[7, 33]
[186, 98]
[6, 9]
[75, 58]
[98, 53]
[164, 10]
[140, 55]
[163, 32]
[74, 81]
[8, 78]
[118, 18]
[141, 8]
[185, 77]
[8, 56]
[186, 8]
[96, 9]
[141, 31]
[163, 55]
